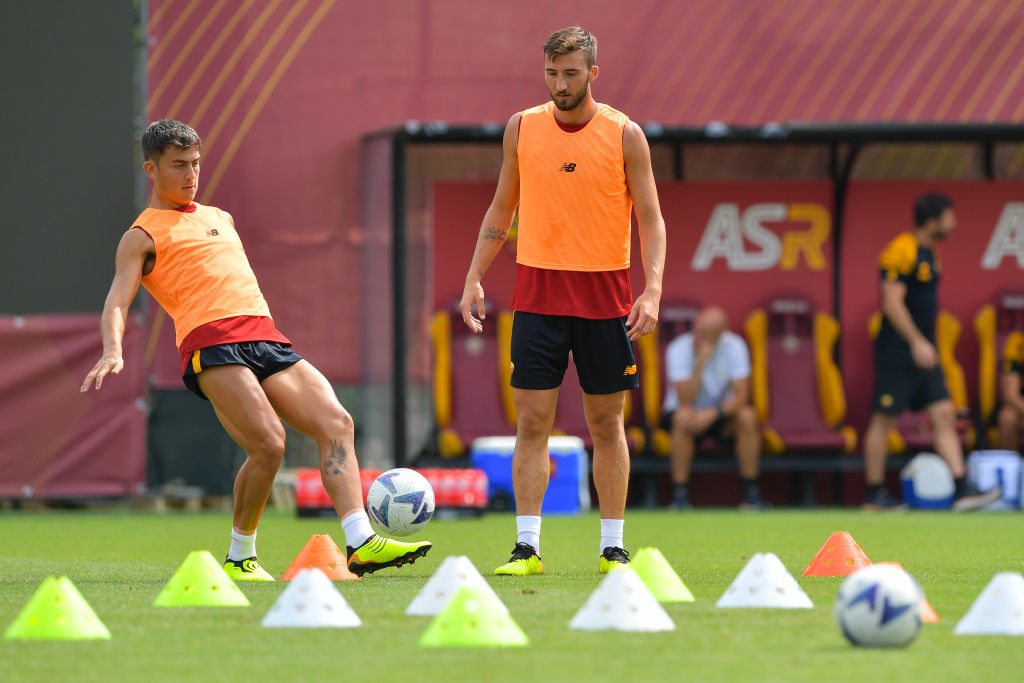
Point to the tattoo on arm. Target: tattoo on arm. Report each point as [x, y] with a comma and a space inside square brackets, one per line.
[335, 459]
[494, 234]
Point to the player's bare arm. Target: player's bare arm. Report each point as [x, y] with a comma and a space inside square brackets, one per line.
[643, 317]
[740, 396]
[895, 309]
[687, 389]
[1009, 390]
[135, 254]
[495, 227]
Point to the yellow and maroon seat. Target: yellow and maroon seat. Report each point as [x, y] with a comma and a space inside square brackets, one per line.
[675, 318]
[470, 372]
[999, 327]
[795, 384]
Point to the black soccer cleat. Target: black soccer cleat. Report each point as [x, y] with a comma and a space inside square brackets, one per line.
[611, 558]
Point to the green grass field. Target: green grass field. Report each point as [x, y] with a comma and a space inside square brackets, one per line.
[120, 561]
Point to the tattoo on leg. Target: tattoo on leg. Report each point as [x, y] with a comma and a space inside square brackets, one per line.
[336, 458]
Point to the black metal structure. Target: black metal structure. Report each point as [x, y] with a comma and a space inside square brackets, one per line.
[80, 82]
[844, 142]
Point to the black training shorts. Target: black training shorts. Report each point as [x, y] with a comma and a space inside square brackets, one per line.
[263, 358]
[900, 384]
[716, 430]
[601, 350]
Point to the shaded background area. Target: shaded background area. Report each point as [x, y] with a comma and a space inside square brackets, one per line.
[69, 188]
[69, 174]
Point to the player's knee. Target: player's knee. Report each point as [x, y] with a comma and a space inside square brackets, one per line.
[1008, 418]
[943, 415]
[606, 427]
[681, 420]
[881, 423]
[746, 418]
[532, 424]
[679, 417]
[267, 447]
[342, 425]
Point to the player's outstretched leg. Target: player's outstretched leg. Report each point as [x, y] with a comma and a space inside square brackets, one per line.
[524, 562]
[379, 552]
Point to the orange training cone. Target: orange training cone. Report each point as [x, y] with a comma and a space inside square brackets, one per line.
[838, 557]
[928, 613]
[323, 553]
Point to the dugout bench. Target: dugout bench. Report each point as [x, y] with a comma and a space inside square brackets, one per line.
[803, 469]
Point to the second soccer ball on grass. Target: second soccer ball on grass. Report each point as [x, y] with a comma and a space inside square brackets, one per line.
[879, 606]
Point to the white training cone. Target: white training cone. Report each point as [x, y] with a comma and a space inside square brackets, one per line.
[311, 601]
[454, 572]
[764, 582]
[622, 602]
[998, 610]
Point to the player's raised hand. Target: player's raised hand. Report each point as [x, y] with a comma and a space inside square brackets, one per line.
[643, 317]
[110, 363]
[702, 350]
[473, 295]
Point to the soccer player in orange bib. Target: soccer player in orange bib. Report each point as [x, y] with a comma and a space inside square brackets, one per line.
[575, 169]
[191, 260]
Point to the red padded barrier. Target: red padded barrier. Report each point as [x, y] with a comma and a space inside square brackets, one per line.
[56, 441]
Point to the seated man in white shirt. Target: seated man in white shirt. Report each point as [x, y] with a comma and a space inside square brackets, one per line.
[708, 376]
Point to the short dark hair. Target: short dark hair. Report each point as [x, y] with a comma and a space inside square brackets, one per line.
[572, 39]
[929, 206]
[164, 133]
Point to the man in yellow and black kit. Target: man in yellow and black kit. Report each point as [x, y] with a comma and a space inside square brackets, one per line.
[907, 370]
[1009, 416]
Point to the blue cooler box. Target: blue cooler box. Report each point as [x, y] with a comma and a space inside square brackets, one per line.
[985, 469]
[927, 483]
[569, 487]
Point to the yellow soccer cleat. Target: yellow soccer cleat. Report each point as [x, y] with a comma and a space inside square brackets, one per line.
[524, 562]
[246, 570]
[379, 552]
[613, 558]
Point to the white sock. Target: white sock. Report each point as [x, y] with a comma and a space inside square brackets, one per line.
[611, 534]
[528, 530]
[357, 529]
[242, 547]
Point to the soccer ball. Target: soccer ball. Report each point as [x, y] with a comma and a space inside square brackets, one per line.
[400, 502]
[879, 606]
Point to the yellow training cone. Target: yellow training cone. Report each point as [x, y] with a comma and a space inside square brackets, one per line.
[663, 582]
[57, 611]
[201, 582]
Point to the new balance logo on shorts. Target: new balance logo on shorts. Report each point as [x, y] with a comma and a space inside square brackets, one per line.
[630, 370]
[568, 168]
